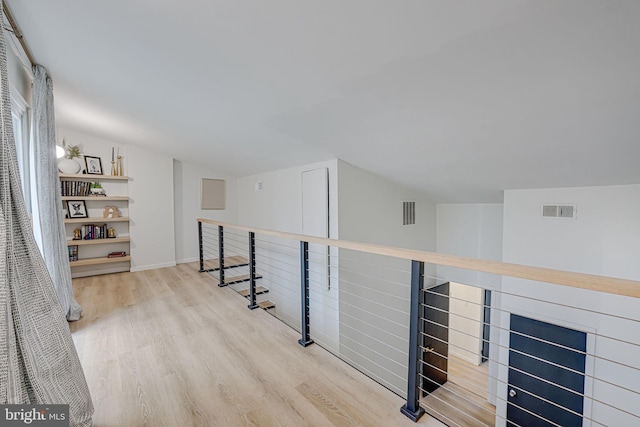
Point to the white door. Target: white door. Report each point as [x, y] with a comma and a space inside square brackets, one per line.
[323, 313]
[315, 220]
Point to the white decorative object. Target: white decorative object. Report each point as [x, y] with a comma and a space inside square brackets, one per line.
[70, 166]
[97, 191]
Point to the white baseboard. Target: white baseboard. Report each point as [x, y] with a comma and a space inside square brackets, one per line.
[152, 266]
[88, 271]
[187, 260]
[465, 355]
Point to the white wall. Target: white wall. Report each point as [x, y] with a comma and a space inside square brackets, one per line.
[187, 184]
[375, 291]
[465, 322]
[151, 209]
[150, 188]
[603, 240]
[371, 211]
[475, 231]
[469, 230]
[279, 207]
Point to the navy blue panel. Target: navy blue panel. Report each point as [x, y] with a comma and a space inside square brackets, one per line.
[527, 375]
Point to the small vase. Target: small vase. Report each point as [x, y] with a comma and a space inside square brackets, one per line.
[70, 166]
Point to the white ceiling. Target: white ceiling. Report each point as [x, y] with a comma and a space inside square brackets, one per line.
[459, 99]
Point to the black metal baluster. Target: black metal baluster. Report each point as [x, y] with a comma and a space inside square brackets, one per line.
[304, 292]
[200, 247]
[412, 408]
[221, 255]
[252, 271]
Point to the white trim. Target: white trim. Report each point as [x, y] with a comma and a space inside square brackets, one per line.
[18, 103]
[13, 41]
[21, 111]
[91, 272]
[187, 260]
[153, 266]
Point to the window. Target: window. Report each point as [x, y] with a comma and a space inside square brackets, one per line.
[21, 127]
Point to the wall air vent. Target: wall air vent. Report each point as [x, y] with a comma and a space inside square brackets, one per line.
[408, 213]
[559, 211]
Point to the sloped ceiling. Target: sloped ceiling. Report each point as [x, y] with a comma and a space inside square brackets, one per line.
[458, 99]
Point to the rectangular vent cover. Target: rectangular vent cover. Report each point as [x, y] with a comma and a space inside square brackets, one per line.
[559, 211]
[408, 213]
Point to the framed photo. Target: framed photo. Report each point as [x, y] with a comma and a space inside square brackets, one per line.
[77, 209]
[93, 164]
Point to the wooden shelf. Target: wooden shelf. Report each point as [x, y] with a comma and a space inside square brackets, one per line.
[88, 177]
[106, 198]
[94, 220]
[92, 262]
[98, 241]
[101, 260]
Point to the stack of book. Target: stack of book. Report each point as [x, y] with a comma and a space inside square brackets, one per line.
[75, 188]
[73, 253]
[92, 231]
[117, 254]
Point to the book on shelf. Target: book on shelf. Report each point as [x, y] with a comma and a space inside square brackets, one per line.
[117, 254]
[93, 231]
[73, 253]
[75, 188]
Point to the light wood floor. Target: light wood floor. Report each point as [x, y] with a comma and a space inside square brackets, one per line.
[462, 401]
[168, 347]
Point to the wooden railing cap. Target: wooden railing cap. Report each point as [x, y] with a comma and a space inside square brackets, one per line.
[610, 285]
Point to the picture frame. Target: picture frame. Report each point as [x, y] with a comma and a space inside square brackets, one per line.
[77, 209]
[93, 165]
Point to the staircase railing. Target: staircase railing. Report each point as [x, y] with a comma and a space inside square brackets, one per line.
[518, 345]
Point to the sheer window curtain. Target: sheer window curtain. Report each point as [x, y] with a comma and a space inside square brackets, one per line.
[48, 209]
[38, 360]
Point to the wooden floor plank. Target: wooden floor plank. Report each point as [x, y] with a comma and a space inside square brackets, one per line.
[462, 400]
[165, 348]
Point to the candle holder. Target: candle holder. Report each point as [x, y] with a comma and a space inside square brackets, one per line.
[120, 169]
[114, 171]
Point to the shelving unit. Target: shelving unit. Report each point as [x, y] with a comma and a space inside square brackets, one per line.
[99, 260]
[84, 220]
[105, 198]
[87, 177]
[98, 241]
[92, 253]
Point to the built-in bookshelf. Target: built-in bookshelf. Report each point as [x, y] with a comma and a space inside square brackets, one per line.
[92, 178]
[94, 198]
[96, 244]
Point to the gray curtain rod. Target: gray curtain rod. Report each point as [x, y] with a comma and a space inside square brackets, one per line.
[18, 33]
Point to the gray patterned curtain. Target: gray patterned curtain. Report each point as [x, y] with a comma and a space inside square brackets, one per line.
[38, 361]
[54, 242]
